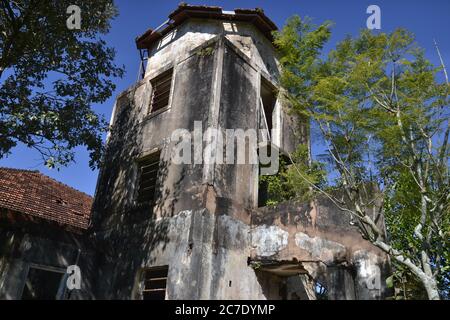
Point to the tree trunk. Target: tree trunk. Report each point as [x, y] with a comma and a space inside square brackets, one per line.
[431, 288]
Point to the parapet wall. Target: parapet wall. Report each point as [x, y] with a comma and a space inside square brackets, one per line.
[321, 239]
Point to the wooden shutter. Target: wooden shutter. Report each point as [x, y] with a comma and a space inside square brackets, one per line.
[155, 283]
[148, 175]
[161, 86]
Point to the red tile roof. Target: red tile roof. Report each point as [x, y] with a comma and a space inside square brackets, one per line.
[32, 193]
[185, 11]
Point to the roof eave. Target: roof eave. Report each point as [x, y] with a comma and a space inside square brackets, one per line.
[185, 12]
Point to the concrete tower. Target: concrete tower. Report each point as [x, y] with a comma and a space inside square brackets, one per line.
[195, 231]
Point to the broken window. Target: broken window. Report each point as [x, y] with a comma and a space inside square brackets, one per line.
[43, 285]
[273, 189]
[161, 86]
[321, 291]
[154, 283]
[268, 100]
[263, 183]
[148, 175]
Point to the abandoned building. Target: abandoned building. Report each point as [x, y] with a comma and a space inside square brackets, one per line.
[160, 230]
[42, 222]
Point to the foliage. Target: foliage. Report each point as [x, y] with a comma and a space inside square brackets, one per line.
[406, 286]
[401, 214]
[384, 121]
[299, 44]
[51, 76]
[288, 184]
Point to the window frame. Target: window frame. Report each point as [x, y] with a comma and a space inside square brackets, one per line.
[143, 279]
[151, 112]
[154, 156]
[267, 87]
[60, 293]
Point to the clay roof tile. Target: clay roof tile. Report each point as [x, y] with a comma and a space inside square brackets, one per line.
[32, 193]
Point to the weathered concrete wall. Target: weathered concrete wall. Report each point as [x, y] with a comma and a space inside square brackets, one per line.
[195, 32]
[206, 254]
[326, 242]
[137, 136]
[220, 89]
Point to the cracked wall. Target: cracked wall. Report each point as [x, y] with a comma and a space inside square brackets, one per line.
[323, 240]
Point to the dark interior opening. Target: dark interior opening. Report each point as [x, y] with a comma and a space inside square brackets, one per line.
[148, 175]
[263, 192]
[269, 98]
[155, 283]
[42, 285]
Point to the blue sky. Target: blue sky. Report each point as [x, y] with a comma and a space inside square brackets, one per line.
[428, 19]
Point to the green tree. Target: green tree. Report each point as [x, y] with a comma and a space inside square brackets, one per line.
[288, 183]
[52, 75]
[383, 118]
